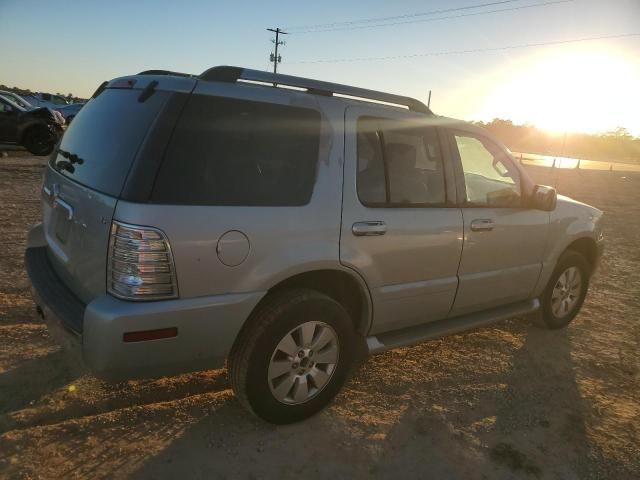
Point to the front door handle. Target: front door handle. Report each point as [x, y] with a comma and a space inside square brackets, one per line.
[482, 225]
[366, 229]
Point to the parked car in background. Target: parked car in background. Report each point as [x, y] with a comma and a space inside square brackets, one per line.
[70, 111]
[289, 231]
[17, 99]
[46, 100]
[38, 129]
[22, 102]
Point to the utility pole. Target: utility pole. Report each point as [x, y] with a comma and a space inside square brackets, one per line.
[275, 58]
[429, 101]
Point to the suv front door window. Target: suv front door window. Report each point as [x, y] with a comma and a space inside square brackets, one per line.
[490, 179]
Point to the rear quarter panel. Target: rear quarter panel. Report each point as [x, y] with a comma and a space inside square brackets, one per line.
[283, 241]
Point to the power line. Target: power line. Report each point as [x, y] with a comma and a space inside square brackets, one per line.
[475, 50]
[422, 20]
[398, 17]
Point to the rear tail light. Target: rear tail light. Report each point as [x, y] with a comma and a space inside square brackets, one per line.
[140, 264]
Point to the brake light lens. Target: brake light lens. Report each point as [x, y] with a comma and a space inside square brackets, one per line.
[140, 264]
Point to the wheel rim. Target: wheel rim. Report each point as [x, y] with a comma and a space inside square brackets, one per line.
[566, 292]
[303, 363]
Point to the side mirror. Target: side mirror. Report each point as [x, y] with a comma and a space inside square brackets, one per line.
[543, 198]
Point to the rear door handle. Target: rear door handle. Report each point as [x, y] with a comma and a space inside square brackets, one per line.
[366, 229]
[482, 225]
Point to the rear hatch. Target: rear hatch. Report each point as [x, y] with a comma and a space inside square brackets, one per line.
[87, 174]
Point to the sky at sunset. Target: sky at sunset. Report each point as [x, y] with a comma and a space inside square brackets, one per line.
[591, 86]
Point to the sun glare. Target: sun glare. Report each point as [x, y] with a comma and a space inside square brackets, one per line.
[575, 91]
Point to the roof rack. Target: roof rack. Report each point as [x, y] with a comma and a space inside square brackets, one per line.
[316, 87]
[166, 72]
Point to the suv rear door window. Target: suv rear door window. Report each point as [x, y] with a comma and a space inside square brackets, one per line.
[104, 138]
[398, 166]
[227, 151]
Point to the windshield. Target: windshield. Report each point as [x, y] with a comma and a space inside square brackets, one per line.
[7, 102]
[17, 99]
[98, 148]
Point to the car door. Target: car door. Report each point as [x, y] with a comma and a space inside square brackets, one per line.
[401, 229]
[504, 240]
[8, 122]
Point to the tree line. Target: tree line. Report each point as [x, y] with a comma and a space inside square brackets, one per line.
[617, 145]
[26, 92]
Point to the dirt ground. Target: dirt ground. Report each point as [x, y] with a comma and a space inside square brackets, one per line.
[509, 401]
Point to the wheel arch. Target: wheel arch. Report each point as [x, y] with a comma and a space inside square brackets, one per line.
[585, 244]
[343, 285]
[587, 247]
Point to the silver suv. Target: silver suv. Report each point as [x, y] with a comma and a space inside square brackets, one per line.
[288, 225]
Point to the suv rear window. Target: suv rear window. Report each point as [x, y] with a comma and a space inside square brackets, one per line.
[237, 152]
[105, 136]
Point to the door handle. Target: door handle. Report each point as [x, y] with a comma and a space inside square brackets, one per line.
[59, 203]
[482, 225]
[366, 229]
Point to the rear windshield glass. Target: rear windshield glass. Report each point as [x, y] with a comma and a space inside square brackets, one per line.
[98, 147]
[237, 152]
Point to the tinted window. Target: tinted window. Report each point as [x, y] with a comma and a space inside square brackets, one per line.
[398, 166]
[490, 177]
[106, 135]
[236, 152]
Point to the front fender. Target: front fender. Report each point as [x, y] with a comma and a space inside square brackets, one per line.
[570, 221]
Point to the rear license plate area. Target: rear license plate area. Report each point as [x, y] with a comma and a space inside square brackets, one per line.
[62, 225]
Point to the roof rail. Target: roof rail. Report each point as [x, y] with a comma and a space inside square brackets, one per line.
[165, 72]
[316, 87]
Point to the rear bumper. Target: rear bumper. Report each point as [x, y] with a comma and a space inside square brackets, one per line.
[206, 326]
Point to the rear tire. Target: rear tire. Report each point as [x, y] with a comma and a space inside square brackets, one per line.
[565, 293]
[273, 368]
[38, 140]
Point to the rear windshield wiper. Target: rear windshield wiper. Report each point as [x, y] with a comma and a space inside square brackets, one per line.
[72, 157]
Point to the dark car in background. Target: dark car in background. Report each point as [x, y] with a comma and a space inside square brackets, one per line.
[38, 130]
[22, 102]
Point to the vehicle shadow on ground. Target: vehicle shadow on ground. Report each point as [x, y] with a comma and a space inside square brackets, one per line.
[508, 425]
[30, 379]
[412, 427]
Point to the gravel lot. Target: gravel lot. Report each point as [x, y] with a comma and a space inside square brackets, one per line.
[509, 401]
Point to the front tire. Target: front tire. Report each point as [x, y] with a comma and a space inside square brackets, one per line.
[565, 292]
[293, 356]
[39, 141]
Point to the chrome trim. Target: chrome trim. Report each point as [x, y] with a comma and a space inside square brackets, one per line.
[59, 202]
[482, 225]
[366, 229]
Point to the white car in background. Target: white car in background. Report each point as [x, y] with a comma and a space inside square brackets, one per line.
[47, 100]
